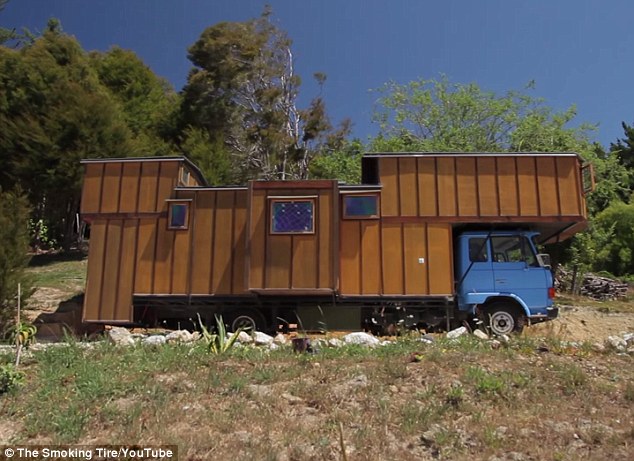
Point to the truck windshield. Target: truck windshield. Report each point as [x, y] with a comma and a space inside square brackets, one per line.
[513, 249]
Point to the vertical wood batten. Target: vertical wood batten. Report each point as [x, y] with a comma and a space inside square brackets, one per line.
[408, 196]
[487, 187]
[123, 310]
[110, 188]
[349, 258]
[446, 185]
[568, 189]
[392, 258]
[91, 191]
[389, 196]
[507, 187]
[129, 197]
[148, 187]
[547, 186]
[163, 258]
[239, 243]
[110, 280]
[527, 186]
[371, 257]
[466, 179]
[427, 190]
[94, 270]
[223, 239]
[201, 243]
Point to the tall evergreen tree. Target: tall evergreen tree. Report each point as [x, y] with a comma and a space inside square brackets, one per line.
[54, 112]
[243, 92]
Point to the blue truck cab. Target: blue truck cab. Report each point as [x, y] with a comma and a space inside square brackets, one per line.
[502, 280]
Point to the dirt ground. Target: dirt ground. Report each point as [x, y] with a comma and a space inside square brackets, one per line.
[585, 324]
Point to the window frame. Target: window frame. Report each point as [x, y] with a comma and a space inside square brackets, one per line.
[170, 206]
[344, 196]
[292, 199]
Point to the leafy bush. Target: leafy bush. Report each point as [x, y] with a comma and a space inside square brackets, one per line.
[14, 244]
[10, 378]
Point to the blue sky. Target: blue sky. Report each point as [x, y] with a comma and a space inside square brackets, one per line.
[577, 51]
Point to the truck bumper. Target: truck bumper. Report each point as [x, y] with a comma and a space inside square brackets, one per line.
[553, 313]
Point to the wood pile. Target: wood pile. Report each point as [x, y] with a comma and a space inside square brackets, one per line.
[593, 286]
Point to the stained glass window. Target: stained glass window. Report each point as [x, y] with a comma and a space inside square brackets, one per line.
[292, 217]
[361, 206]
[178, 215]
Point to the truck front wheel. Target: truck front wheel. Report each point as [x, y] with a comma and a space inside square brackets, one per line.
[503, 319]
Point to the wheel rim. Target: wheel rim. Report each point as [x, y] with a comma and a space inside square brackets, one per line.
[502, 323]
[245, 322]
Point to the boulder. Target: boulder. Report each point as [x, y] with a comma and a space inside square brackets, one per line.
[362, 339]
[180, 336]
[120, 336]
[243, 338]
[280, 339]
[155, 340]
[480, 334]
[335, 342]
[262, 339]
[617, 343]
[461, 331]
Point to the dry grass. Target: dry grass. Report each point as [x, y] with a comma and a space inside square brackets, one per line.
[406, 401]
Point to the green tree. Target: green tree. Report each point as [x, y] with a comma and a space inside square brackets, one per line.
[148, 102]
[14, 245]
[5, 34]
[440, 116]
[54, 112]
[243, 91]
[616, 255]
[343, 164]
[624, 150]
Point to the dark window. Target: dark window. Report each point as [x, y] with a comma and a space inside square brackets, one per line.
[478, 250]
[361, 206]
[513, 249]
[292, 217]
[178, 215]
[370, 170]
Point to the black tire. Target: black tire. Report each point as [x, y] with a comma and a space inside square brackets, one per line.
[503, 319]
[247, 319]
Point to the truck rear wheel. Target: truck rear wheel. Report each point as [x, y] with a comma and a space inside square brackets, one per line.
[249, 320]
[503, 319]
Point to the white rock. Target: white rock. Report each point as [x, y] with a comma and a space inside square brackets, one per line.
[262, 339]
[273, 346]
[457, 332]
[480, 334]
[334, 342]
[617, 343]
[155, 340]
[179, 336]
[361, 338]
[120, 336]
[280, 339]
[243, 338]
[629, 338]
[292, 399]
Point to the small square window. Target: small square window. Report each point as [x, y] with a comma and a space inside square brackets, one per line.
[178, 215]
[292, 217]
[361, 206]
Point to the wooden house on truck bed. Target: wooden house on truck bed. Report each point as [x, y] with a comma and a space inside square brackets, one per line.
[165, 245]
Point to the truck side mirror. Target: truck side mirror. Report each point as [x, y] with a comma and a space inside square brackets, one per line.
[544, 260]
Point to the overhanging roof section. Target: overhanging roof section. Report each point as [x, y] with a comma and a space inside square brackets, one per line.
[190, 165]
[540, 190]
